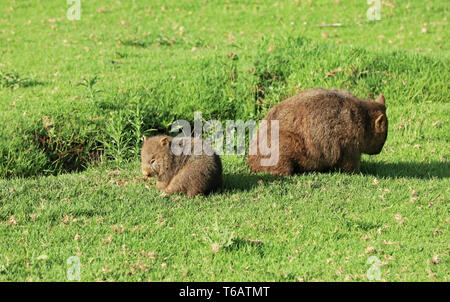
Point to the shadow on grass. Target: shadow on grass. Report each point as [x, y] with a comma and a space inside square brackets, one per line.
[407, 169]
[245, 182]
[246, 244]
[13, 79]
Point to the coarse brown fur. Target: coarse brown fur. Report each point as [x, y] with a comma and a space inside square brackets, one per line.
[324, 129]
[185, 173]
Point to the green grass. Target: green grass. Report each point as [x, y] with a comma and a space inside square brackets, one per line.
[77, 96]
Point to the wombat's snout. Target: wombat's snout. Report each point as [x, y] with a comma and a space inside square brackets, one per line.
[376, 150]
[146, 172]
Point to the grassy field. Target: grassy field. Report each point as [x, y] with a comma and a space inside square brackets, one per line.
[77, 96]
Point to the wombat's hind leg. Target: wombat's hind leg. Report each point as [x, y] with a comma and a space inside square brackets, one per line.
[182, 182]
[175, 187]
[194, 192]
[160, 185]
[284, 167]
[194, 179]
[288, 148]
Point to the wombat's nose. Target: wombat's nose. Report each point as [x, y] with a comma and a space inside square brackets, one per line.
[146, 172]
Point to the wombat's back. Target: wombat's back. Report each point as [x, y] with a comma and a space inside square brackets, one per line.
[322, 117]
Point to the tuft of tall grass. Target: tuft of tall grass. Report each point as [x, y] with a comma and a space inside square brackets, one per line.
[69, 135]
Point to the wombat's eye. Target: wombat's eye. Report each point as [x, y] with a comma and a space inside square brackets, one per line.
[152, 161]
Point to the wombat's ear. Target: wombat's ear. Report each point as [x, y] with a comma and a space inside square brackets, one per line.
[380, 124]
[145, 138]
[164, 141]
[381, 100]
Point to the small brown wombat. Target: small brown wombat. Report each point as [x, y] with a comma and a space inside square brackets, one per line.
[322, 129]
[186, 173]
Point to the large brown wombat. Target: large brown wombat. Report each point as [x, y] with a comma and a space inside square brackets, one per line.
[322, 129]
[186, 173]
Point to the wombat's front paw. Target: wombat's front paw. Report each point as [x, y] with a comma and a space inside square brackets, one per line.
[163, 194]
